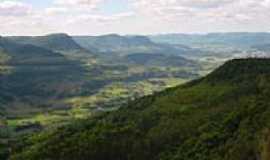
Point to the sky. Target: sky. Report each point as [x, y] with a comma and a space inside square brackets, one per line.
[97, 17]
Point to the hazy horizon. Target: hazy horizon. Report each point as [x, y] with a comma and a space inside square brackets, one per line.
[132, 17]
[153, 34]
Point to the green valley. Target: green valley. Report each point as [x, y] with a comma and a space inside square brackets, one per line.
[50, 81]
[224, 115]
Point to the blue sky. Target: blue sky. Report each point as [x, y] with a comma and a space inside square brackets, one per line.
[115, 6]
[109, 7]
[95, 17]
[39, 3]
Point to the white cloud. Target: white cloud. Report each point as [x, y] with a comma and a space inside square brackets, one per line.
[14, 8]
[205, 3]
[79, 3]
[199, 4]
[143, 16]
[266, 3]
[56, 10]
[86, 18]
[203, 10]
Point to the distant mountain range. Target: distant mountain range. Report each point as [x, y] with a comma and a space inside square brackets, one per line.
[263, 47]
[113, 46]
[138, 50]
[123, 45]
[107, 47]
[234, 39]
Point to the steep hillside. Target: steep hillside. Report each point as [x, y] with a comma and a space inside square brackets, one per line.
[31, 76]
[61, 42]
[13, 53]
[224, 116]
[127, 44]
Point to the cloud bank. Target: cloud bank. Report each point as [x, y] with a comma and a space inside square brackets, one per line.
[138, 16]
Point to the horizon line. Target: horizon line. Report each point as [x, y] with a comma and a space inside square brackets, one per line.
[150, 34]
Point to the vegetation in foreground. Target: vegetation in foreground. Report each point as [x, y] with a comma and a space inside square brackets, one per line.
[224, 116]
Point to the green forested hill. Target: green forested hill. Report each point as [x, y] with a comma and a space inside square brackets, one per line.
[159, 60]
[224, 116]
[125, 45]
[60, 42]
[30, 75]
[12, 53]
